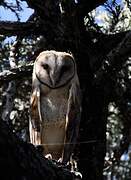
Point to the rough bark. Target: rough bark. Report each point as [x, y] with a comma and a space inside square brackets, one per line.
[20, 160]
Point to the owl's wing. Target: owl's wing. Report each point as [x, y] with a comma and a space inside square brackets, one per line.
[35, 109]
[72, 119]
[35, 119]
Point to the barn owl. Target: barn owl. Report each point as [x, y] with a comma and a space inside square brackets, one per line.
[55, 104]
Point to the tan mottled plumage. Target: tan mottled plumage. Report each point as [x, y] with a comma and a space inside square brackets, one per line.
[55, 104]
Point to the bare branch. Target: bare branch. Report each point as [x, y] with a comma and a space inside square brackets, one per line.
[17, 28]
[12, 8]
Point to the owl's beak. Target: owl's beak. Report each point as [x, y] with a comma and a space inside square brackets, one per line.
[53, 82]
[54, 79]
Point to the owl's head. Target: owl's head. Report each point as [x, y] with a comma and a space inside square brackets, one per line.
[54, 69]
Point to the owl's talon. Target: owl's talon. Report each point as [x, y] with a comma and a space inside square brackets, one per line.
[48, 156]
[59, 160]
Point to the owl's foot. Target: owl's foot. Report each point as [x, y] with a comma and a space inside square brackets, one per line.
[48, 156]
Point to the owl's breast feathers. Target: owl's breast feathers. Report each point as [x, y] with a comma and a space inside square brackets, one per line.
[53, 134]
[53, 111]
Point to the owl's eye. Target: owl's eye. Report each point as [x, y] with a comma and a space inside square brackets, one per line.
[64, 69]
[45, 66]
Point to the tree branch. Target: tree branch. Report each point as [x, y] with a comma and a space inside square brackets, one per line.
[18, 28]
[20, 160]
[16, 73]
[87, 6]
[115, 58]
[84, 6]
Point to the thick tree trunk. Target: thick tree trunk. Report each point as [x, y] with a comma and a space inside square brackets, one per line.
[92, 134]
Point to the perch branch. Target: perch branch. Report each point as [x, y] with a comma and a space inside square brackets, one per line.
[24, 161]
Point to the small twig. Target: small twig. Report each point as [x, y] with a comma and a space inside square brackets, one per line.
[13, 9]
